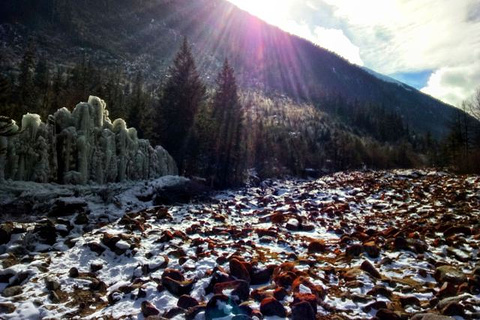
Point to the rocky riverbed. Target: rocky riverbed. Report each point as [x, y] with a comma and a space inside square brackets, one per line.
[357, 245]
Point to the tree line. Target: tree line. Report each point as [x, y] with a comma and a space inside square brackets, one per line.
[218, 133]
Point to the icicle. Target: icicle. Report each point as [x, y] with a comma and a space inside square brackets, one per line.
[78, 147]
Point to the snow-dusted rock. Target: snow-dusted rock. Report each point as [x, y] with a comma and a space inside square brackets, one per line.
[79, 147]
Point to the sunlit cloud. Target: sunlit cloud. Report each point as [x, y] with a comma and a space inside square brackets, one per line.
[390, 36]
[331, 39]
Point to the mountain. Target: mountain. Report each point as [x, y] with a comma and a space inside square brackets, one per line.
[143, 35]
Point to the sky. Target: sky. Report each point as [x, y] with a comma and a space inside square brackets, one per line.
[432, 45]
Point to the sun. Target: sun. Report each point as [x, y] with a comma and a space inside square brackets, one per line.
[272, 11]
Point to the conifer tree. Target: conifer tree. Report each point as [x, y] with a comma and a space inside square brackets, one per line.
[26, 89]
[182, 96]
[42, 84]
[227, 115]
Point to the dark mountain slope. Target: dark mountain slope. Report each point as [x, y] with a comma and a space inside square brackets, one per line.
[145, 34]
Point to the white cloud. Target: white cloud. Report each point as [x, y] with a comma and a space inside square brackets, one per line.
[415, 35]
[391, 36]
[332, 39]
[454, 84]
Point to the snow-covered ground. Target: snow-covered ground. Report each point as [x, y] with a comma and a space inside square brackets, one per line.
[352, 245]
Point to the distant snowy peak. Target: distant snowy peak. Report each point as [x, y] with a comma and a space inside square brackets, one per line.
[386, 78]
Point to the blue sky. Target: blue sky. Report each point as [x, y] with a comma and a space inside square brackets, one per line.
[432, 45]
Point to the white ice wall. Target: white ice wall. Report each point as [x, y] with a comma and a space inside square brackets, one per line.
[79, 147]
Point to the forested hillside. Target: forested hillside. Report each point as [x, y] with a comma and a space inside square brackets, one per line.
[294, 108]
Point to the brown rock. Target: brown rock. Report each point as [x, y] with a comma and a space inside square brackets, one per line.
[176, 287]
[457, 230]
[5, 232]
[148, 309]
[186, 301]
[306, 297]
[454, 309]
[285, 279]
[73, 272]
[371, 249]
[261, 276]
[280, 293]
[430, 316]
[302, 311]
[400, 243]
[240, 292]
[239, 270]
[386, 314]
[12, 291]
[272, 307]
[173, 274]
[377, 305]
[450, 274]
[409, 301]
[6, 307]
[317, 246]
[354, 250]
[370, 269]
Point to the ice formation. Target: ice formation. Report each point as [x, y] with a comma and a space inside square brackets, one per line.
[79, 147]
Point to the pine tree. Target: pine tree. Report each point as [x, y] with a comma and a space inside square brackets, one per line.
[42, 84]
[182, 96]
[26, 89]
[227, 115]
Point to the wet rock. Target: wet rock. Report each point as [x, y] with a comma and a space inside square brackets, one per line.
[317, 246]
[450, 274]
[186, 302]
[302, 311]
[148, 309]
[12, 291]
[218, 307]
[370, 269]
[239, 270]
[272, 307]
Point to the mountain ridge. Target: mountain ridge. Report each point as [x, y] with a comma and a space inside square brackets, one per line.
[143, 36]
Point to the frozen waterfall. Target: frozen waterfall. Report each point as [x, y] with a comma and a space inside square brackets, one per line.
[78, 147]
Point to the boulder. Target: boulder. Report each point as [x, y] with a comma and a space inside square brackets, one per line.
[272, 307]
